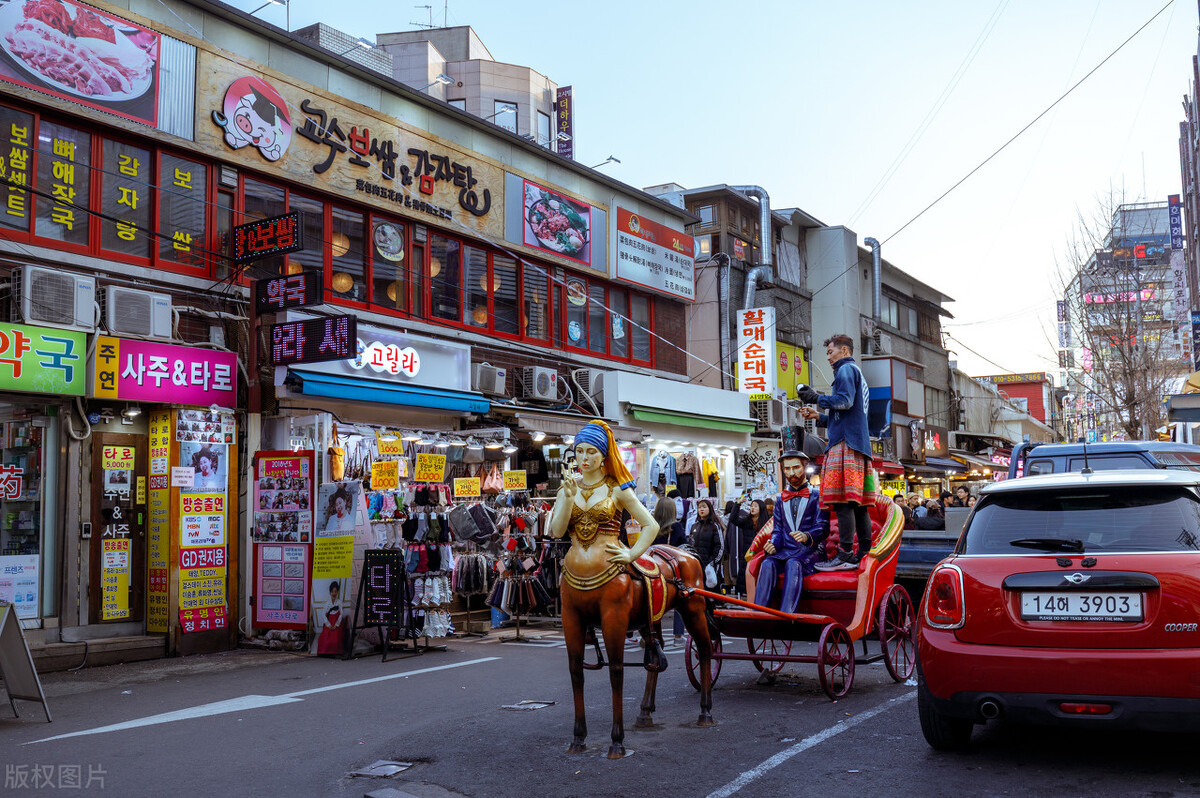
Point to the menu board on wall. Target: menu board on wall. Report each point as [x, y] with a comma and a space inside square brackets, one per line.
[81, 54]
[654, 256]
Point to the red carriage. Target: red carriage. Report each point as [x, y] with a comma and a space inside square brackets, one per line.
[837, 609]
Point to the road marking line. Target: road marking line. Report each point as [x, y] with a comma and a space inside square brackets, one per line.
[805, 744]
[248, 702]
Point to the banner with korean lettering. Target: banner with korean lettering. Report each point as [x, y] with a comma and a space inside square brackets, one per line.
[1175, 217]
[757, 371]
[202, 561]
[320, 140]
[42, 360]
[149, 371]
[564, 121]
[158, 543]
[654, 256]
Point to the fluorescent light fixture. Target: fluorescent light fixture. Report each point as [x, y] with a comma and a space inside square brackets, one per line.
[411, 436]
[539, 436]
[494, 445]
[131, 411]
[442, 443]
[510, 449]
[474, 444]
[458, 442]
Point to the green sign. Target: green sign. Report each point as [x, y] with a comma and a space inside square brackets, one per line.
[42, 360]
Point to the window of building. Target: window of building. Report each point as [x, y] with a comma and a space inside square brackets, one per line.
[639, 314]
[707, 214]
[64, 178]
[475, 288]
[911, 326]
[618, 342]
[445, 271]
[459, 104]
[126, 197]
[535, 318]
[16, 133]
[597, 315]
[505, 115]
[260, 201]
[389, 288]
[543, 131]
[182, 210]
[312, 257]
[348, 255]
[505, 290]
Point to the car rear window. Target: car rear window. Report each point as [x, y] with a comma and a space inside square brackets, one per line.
[1087, 520]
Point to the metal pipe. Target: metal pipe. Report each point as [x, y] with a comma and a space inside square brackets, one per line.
[766, 234]
[723, 316]
[877, 286]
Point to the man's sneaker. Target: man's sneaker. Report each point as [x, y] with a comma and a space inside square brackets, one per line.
[842, 562]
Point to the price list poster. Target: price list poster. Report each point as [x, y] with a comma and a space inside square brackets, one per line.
[283, 534]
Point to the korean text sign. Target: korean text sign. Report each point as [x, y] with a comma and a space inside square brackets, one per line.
[757, 371]
[430, 468]
[655, 256]
[153, 372]
[42, 360]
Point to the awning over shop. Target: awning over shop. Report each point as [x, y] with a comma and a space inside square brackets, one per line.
[656, 415]
[945, 464]
[562, 423]
[973, 461]
[888, 467]
[312, 383]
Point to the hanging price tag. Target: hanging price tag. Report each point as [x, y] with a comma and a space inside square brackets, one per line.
[514, 480]
[385, 475]
[466, 487]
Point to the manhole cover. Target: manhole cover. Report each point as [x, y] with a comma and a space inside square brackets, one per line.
[382, 769]
[528, 704]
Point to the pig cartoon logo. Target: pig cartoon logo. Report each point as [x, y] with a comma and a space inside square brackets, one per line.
[253, 114]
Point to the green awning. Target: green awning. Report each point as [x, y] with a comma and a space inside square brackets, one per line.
[659, 416]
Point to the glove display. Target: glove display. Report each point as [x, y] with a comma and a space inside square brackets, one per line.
[807, 394]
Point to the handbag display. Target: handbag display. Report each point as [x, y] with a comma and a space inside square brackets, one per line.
[494, 481]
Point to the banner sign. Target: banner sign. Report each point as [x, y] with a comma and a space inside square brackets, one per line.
[130, 370]
[293, 291]
[757, 370]
[263, 238]
[654, 256]
[314, 340]
[564, 116]
[514, 480]
[158, 527]
[1175, 214]
[42, 360]
[385, 475]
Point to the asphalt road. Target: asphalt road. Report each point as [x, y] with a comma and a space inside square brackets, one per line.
[267, 723]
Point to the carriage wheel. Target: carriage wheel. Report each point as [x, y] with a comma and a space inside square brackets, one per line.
[895, 624]
[770, 649]
[835, 660]
[691, 658]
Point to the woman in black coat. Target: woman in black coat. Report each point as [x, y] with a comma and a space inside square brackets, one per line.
[740, 530]
[707, 536]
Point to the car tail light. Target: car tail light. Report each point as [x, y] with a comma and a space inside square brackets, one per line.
[1073, 708]
[944, 607]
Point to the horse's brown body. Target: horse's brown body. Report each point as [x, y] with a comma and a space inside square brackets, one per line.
[616, 607]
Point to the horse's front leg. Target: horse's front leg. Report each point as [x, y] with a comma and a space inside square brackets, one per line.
[573, 630]
[614, 624]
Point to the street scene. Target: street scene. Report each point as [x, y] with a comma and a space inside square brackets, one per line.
[485, 399]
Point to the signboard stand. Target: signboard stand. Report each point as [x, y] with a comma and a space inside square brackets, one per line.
[16, 664]
[384, 604]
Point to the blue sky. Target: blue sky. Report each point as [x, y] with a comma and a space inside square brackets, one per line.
[819, 102]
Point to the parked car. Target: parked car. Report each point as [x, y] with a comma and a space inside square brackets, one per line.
[1071, 600]
[1030, 459]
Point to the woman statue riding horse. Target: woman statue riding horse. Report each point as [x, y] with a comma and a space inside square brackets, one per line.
[609, 585]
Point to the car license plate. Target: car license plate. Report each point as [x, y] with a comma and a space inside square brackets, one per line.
[1061, 606]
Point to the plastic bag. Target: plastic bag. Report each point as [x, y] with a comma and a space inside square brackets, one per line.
[710, 576]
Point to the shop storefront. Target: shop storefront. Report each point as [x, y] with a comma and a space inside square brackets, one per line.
[40, 370]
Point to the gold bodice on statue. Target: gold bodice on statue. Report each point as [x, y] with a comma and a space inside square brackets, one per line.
[587, 568]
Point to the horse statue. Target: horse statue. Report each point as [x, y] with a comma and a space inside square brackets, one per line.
[608, 585]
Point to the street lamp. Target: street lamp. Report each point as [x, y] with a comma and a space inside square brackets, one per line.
[608, 160]
[508, 109]
[285, 3]
[441, 78]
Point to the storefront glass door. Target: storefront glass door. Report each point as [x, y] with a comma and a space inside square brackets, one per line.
[117, 587]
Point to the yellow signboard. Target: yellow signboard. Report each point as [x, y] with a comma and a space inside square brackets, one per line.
[465, 488]
[791, 369]
[514, 480]
[385, 475]
[114, 579]
[389, 444]
[119, 458]
[430, 468]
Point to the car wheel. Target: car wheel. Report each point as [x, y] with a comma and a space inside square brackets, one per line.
[941, 732]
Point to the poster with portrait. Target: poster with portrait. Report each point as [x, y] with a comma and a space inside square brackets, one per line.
[340, 508]
[210, 463]
[281, 586]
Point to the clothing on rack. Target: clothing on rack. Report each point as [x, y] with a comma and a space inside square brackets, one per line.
[686, 484]
[662, 468]
[688, 463]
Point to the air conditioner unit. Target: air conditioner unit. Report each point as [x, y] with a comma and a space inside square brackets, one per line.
[540, 383]
[128, 311]
[592, 383]
[56, 299]
[770, 415]
[489, 379]
[867, 325]
[883, 343]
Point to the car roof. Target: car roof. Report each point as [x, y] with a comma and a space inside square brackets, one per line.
[1110, 447]
[1136, 477]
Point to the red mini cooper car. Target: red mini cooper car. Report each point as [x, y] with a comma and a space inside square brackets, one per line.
[1070, 600]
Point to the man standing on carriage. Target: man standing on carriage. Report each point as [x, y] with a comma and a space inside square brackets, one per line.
[799, 528]
[848, 483]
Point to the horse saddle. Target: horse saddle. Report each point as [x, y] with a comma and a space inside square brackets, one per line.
[655, 572]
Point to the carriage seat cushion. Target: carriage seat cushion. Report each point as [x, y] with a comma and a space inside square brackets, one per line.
[831, 580]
